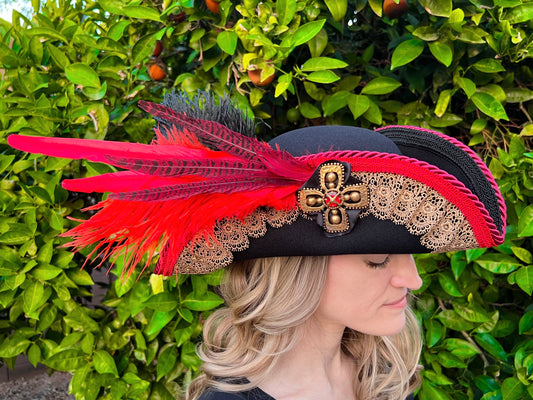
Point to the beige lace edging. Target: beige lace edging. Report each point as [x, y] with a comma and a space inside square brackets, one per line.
[230, 235]
[423, 211]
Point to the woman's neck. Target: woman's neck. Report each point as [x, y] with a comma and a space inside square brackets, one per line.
[314, 368]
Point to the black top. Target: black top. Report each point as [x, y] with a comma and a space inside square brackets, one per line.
[253, 394]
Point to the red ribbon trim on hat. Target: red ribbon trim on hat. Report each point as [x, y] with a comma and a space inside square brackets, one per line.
[485, 231]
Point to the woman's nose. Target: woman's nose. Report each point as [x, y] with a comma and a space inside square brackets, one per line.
[405, 273]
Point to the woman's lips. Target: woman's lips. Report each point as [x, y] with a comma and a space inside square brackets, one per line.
[400, 303]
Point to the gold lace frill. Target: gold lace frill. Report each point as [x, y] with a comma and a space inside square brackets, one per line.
[404, 201]
[422, 210]
[230, 235]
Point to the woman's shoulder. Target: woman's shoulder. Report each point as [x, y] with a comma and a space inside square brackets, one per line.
[254, 394]
[216, 395]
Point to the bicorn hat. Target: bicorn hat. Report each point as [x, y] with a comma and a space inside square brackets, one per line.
[202, 195]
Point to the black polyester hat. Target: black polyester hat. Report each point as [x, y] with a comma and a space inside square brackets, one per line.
[372, 233]
[202, 195]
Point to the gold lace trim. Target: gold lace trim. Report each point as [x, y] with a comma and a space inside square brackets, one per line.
[230, 235]
[422, 210]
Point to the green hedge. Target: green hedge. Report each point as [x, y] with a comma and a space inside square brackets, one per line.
[77, 69]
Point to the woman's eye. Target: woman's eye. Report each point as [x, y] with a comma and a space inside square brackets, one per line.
[379, 264]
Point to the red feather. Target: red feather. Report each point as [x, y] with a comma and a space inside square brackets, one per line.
[174, 188]
[225, 139]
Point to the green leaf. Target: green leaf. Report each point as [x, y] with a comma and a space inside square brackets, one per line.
[58, 56]
[67, 360]
[80, 277]
[376, 6]
[156, 284]
[165, 301]
[336, 102]
[460, 348]
[47, 317]
[34, 297]
[489, 105]
[527, 130]
[522, 254]
[16, 236]
[449, 284]
[524, 278]
[431, 392]
[486, 384]
[204, 302]
[448, 360]
[227, 41]
[443, 102]
[458, 264]
[519, 14]
[306, 32]
[141, 12]
[47, 33]
[116, 30]
[322, 63]
[159, 320]
[5, 161]
[373, 114]
[491, 345]
[104, 363]
[452, 320]
[308, 111]
[82, 74]
[442, 52]
[337, 8]
[381, 85]
[79, 320]
[406, 52]
[318, 44]
[518, 95]
[426, 33]
[471, 312]
[323, 77]
[166, 360]
[285, 10]
[526, 323]
[45, 272]
[34, 354]
[489, 66]
[512, 388]
[439, 8]
[498, 263]
[439, 379]
[143, 48]
[525, 222]
[358, 105]
[434, 332]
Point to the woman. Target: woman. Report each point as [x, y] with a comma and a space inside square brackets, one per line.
[319, 225]
[333, 327]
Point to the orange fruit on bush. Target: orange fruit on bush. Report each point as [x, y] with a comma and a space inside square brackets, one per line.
[255, 77]
[158, 48]
[213, 6]
[156, 72]
[393, 10]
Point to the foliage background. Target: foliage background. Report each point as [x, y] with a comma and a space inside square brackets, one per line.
[76, 69]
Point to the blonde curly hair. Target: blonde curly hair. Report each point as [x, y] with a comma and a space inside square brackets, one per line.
[267, 303]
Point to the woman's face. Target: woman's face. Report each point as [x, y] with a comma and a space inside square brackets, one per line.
[367, 292]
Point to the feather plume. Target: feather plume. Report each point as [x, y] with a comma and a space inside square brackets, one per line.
[216, 135]
[194, 174]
